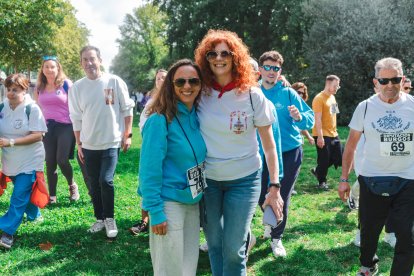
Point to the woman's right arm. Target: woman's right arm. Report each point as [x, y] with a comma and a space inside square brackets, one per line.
[153, 153]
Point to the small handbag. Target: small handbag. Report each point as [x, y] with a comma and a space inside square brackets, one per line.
[3, 182]
[40, 195]
[384, 185]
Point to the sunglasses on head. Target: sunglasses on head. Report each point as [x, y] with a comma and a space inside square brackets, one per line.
[270, 67]
[214, 54]
[385, 81]
[181, 82]
[49, 58]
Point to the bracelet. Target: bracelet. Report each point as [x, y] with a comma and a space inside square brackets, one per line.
[344, 180]
[277, 185]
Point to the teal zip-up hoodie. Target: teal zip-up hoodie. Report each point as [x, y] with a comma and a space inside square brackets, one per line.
[282, 97]
[166, 155]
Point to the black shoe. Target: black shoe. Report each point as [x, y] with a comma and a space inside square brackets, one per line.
[139, 227]
[323, 186]
[313, 171]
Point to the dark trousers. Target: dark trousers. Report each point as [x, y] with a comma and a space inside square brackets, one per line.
[374, 210]
[58, 143]
[292, 161]
[330, 154]
[101, 165]
[82, 167]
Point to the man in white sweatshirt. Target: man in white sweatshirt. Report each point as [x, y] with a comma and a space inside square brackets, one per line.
[101, 112]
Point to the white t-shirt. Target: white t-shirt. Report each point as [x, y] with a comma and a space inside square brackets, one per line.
[143, 117]
[97, 109]
[228, 126]
[388, 128]
[15, 124]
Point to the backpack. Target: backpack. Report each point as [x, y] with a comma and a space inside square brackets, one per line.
[27, 110]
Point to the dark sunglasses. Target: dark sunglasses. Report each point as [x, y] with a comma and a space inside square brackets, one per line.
[192, 82]
[49, 58]
[407, 88]
[213, 54]
[301, 93]
[385, 81]
[270, 67]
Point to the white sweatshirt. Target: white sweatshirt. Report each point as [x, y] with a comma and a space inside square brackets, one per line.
[97, 109]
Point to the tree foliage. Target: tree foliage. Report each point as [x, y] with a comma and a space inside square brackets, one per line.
[346, 38]
[142, 48]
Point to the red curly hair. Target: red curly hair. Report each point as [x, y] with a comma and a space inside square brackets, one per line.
[243, 74]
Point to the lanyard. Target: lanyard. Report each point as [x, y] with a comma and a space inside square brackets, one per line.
[185, 134]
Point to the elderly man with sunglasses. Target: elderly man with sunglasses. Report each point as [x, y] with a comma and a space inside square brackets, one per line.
[386, 174]
[294, 115]
[407, 86]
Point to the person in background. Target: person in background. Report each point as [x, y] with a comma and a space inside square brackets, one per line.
[101, 113]
[293, 115]
[142, 225]
[171, 171]
[328, 145]
[230, 111]
[21, 130]
[407, 86]
[51, 94]
[302, 90]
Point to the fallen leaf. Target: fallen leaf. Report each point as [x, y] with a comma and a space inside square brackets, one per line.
[46, 246]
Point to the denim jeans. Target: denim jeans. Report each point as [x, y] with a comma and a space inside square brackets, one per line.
[20, 203]
[230, 206]
[101, 165]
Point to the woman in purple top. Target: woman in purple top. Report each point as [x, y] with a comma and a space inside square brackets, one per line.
[52, 96]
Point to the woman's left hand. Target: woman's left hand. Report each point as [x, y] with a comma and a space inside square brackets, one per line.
[4, 142]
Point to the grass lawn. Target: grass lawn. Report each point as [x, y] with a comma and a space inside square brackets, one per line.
[318, 237]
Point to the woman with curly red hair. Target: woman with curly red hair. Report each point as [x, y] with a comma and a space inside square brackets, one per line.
[230, 111]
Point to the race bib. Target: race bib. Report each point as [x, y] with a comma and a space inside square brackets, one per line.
[196, 179]
[396, 144]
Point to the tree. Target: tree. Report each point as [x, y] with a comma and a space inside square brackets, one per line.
[346, 38]
[26, 29]
[142, 47]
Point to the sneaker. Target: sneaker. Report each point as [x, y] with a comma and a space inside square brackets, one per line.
[74, 192]
[6, 240]
[204, 247]
[52, 200]
[313, 171]
[352, 203]
[323, 186]
[139, 227]
[110, 227]
[357, 240]
[97, 226]
[278, 248]
[367, 271]
[267, 231]
[294, 192]
[390, 239]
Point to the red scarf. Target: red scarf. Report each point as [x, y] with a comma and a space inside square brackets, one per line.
[228, 87]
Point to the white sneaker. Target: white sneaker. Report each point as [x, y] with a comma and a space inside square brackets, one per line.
[97, 226]
[267, 231]
[204, 247]
[278, 248]
[390, 239]
[357, 240]
[110, 227]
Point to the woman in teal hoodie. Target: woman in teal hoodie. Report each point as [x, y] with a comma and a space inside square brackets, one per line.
[171, 172]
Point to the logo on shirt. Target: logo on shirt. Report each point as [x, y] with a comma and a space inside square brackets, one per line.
[109, 96]
[18, 124]
[334, 108]
[238, 122]
[389, 122]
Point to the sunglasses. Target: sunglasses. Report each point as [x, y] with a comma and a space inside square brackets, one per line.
[270, 67]
[213, 54]
[301, 93]
[407, 88]
[192, 82]
[49, 58]
[385, 81]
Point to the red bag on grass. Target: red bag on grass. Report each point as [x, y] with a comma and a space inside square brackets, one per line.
[3, 182]
[40, 195]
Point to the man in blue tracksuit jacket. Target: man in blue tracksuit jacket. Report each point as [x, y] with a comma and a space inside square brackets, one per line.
[294, 115]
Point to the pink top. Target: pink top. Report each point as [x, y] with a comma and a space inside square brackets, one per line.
[54, 105]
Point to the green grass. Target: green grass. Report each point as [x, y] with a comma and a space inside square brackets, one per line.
[317, 238]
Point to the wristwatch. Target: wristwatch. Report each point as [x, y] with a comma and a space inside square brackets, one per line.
[11, 142]
[277, 185]
[129, 135]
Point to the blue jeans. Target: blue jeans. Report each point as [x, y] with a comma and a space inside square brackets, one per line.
[101, 165]
[20, 203]
[230, 206]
